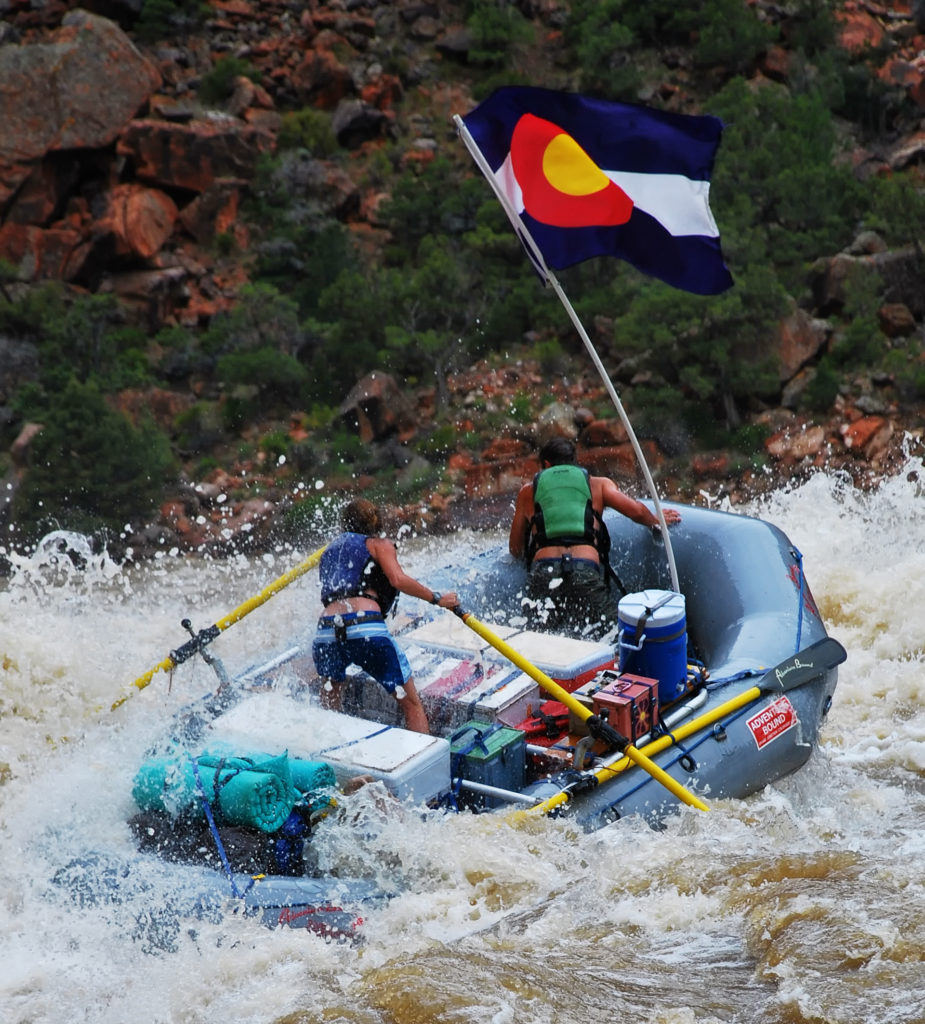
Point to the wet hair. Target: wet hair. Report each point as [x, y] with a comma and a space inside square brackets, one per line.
[361, 516]
[559, 451]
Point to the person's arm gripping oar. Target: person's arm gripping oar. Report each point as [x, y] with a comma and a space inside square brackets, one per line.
[597, 727]
[206, 636]
[791, 673]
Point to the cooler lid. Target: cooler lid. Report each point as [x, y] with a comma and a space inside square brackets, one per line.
[449, 633]
[659, 607]
[562, 657]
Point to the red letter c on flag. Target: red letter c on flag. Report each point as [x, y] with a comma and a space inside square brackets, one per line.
[561, 185]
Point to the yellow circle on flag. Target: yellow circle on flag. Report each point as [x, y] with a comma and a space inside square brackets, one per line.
[568, 168]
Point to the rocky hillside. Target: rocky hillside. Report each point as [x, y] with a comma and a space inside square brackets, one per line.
[117, 178]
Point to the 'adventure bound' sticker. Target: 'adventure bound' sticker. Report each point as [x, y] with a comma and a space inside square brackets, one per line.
[772, 722]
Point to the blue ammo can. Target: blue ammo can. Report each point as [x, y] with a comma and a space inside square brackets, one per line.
[652, 640]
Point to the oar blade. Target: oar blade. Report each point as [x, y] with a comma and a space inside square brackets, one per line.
[804, 666]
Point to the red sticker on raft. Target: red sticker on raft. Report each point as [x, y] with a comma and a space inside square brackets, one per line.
[772, 722]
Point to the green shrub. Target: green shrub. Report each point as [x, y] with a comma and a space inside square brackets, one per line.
[275, 444]
[441, 442]
[550, 355]
[199, 428]
[777, 180]
[162, 18]
[521, 408]
[729, 34]
[308, 129]
[907, 367]
[496, 27]
[90, 468]
[263, 318]
[898, 209]
[602, 46]
[279, 378]
[749, 438]
[239, 407]
[822, 390]
[347, 448]
[217, 85]
[312, 518]
[860, 342]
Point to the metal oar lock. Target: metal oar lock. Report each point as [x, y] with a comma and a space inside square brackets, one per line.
[198, 645]
[204, 637]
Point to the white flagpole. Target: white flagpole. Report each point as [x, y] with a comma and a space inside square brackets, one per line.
[537, 256]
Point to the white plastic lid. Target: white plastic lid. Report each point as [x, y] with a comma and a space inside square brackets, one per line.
[659, 607]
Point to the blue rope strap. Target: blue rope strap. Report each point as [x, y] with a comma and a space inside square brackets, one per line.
[798, 555]
[352, 743]
[218, 840]
[505, 679]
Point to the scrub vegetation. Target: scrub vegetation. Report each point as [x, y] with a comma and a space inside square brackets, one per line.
[452, 285]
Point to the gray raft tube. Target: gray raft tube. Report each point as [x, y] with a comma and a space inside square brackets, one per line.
[748, 605]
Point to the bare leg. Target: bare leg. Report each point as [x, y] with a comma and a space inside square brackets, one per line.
[413, 710]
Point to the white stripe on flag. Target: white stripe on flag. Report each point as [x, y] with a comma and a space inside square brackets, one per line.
[679, 204]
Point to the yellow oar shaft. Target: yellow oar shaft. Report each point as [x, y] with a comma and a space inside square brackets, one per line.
[573, 704]
[230, 619]
[165, 666]
[273, 588]
[548, 684]
[683, 731]
[656, 746]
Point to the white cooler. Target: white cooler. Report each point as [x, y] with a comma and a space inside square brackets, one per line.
[412, 766]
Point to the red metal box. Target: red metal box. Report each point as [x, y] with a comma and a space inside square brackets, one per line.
[630, 704]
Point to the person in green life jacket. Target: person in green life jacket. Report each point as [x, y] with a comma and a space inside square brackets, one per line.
[558, 530]
[360, 581]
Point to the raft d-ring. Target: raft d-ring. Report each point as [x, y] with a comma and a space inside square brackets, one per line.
[719, 732]
[688, 763]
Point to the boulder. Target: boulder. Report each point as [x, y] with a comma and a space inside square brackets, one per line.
[195, 155]
[604, 433]
[356, 122]
[556, 420]
[900, 269]
[321, 80]
[19, 363]
[138, 219]
[40, 254]
[795, 443]
[868, 436]
[800, 338]
[377, 408]
[896, 320]
[19, 449]
[78, 90]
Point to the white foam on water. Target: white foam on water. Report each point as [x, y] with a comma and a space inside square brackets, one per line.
[796, 904]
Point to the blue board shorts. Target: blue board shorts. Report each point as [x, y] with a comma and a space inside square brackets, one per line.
[364, 641]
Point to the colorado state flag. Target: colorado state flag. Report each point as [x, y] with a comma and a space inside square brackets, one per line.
[589, 177]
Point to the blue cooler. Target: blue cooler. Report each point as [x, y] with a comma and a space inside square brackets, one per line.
[652, 640]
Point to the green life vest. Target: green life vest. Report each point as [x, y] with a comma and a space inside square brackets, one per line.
[563, 513]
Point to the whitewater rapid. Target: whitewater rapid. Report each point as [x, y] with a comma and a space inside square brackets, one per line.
[800, 904]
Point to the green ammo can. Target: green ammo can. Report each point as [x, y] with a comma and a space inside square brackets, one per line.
[489, 753]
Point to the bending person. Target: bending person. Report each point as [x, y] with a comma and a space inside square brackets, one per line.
[558, 528]
[360, 580]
